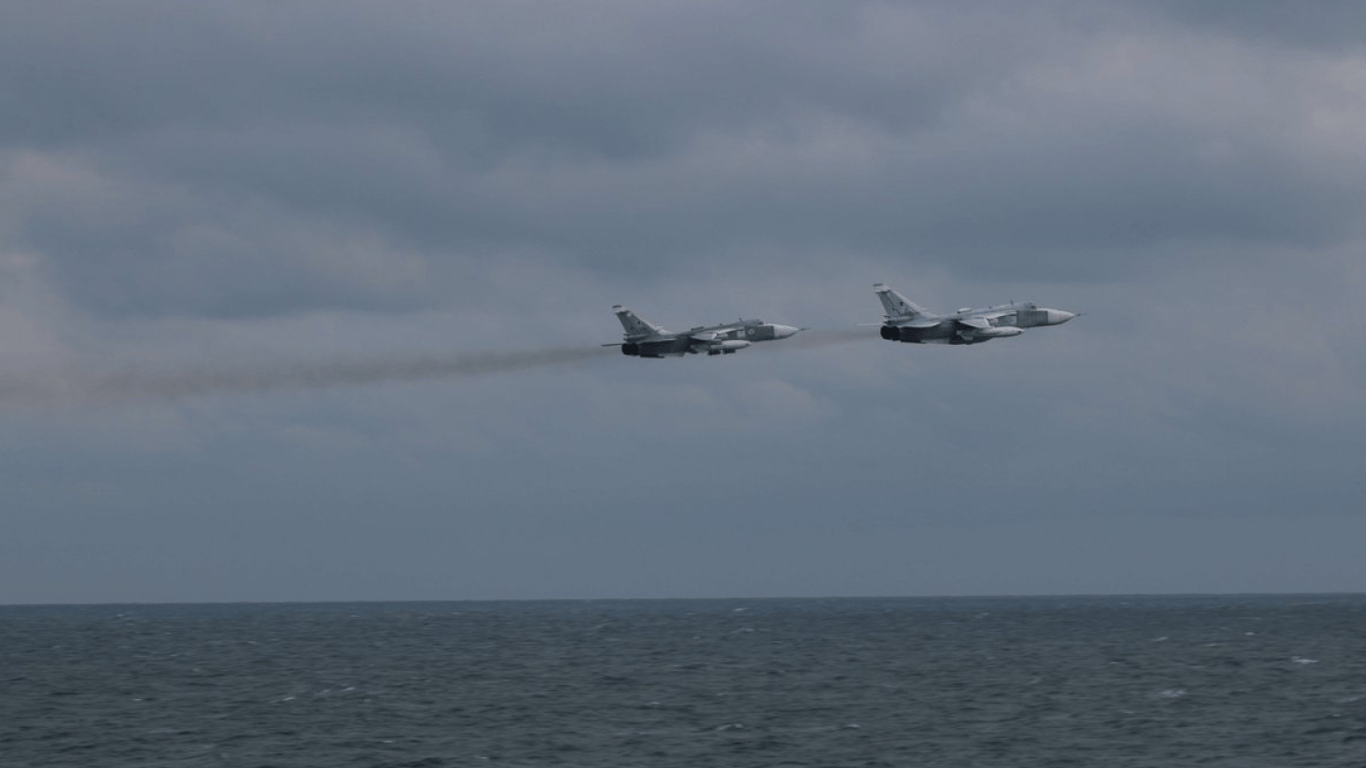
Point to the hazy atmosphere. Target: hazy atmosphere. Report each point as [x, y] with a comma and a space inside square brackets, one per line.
[304, 300]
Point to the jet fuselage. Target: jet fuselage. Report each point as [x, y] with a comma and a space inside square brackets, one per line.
[644, 339]
[907, 322]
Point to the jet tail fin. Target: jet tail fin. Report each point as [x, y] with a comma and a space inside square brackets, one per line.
[899, 307]
[636, 328]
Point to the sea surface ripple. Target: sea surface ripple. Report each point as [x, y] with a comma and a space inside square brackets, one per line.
[1244, 681]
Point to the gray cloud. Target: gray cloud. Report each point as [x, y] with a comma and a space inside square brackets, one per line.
[1326, 26]
[217, 218]
[640, 140]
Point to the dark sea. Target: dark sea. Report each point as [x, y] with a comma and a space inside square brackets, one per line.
[1240, 681]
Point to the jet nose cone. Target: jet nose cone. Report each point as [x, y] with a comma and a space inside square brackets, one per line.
[1058, 316]
[783, 331]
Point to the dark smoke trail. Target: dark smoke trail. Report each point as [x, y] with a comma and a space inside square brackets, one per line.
[143, 386]
[130, 386]
[826, 337]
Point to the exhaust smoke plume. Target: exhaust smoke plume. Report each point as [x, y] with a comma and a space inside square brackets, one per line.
[153, 386]
[829, 336]
[143, 386]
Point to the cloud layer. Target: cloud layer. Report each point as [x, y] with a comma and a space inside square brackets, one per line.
[212, 213]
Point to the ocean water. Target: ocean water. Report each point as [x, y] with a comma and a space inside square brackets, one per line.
[1240, 681]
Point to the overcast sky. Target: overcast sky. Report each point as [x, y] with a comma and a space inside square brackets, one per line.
[262, 266]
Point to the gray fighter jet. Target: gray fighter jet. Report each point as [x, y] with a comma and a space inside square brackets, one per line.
[645, 339]
[908, 322]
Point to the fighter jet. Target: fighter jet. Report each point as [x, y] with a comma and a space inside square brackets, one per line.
[645, 339]
[908, 322]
